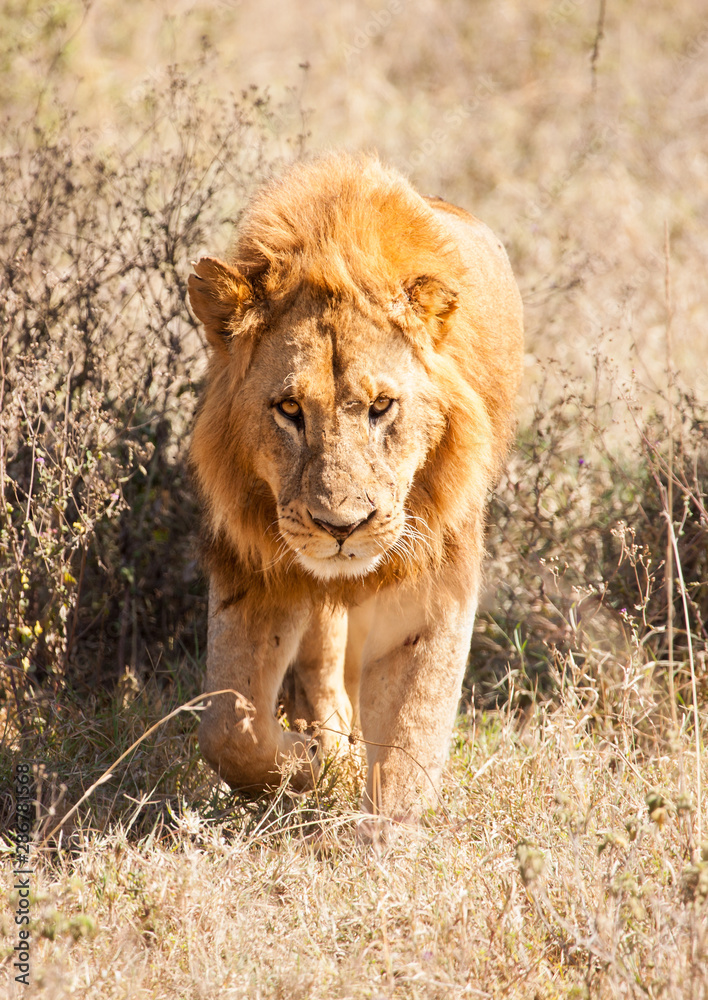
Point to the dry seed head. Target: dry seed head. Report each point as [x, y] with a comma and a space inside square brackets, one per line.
[657, 807]
[694, 883]
[632, 828]
[531, 861]
[612, 840]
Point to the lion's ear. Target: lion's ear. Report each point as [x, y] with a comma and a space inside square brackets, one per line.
[219, 296]
[430, 300]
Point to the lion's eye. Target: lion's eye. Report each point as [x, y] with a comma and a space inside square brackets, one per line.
[380, 405]
[290, 409]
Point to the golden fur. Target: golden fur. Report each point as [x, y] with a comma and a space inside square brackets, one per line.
[346, 291]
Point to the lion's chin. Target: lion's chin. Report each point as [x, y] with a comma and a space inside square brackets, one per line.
[339, 566]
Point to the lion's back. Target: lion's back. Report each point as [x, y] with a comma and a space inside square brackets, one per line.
[487, 337]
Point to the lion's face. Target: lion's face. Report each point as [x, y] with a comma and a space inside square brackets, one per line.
[341, 414]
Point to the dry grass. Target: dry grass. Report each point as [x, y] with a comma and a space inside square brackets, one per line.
[567, 858]
[547, 878]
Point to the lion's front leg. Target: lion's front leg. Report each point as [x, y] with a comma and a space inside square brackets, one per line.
[317, 692]
[414, 663]
[239, 734]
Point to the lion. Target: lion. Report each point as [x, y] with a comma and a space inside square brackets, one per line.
[365, 351]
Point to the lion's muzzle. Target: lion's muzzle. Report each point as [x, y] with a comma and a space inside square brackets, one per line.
[340, 531]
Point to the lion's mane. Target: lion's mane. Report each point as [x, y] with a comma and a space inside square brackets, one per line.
[354, 231]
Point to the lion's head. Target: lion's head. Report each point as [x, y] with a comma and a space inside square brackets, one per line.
[343, 435]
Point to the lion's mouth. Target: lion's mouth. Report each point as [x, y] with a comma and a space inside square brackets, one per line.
[328, 559]
[339, 564]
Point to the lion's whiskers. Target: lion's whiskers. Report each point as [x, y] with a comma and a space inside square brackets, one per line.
[403, 548]
[421, 520]
[281, 551]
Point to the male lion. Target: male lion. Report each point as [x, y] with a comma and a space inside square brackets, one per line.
[365, 355]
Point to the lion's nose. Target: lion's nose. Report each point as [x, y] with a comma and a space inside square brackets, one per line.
[341, 531]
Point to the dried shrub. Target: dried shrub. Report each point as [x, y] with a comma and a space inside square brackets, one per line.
[577, 537]
[100, 366]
